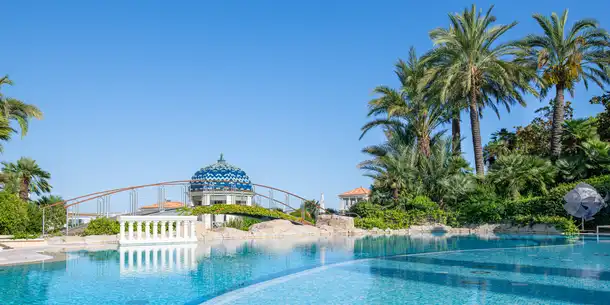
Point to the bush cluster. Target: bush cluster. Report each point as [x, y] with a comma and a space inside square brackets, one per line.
[238, 210]
[103, 226]
[242, 223]
[483, 206]
[419, 210]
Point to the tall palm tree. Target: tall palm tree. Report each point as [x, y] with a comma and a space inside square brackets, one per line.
[469, 62]
[14, 109]
[26, 176]
[414, 104]
[564, 59]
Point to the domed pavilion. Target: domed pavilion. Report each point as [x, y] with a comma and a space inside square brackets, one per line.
[220, 183]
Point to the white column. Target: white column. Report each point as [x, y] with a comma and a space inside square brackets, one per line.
[248, 200]
[207, 199]
[193, 258]
[186, 229]
[130, 230]
[229, 199]
[139, 229]
[163, 233]
[147, 229]
[155, 228]
[193, 235]
[170, 229]
[122, 233]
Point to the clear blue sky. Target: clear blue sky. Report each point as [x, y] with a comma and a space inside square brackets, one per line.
[138, 92]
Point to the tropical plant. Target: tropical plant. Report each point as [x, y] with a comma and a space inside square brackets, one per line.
[502, 142]
[578, 131]
[469, 61]
[12, 109]
[440, 172]
[592, 158]
[565, 58]
[27, 177]
[414, 104]
[395, 171]
[514, 174]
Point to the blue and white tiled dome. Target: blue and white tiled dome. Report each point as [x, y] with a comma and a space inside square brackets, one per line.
[221, 176]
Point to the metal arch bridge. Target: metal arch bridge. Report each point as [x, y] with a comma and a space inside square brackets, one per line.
[103, 199]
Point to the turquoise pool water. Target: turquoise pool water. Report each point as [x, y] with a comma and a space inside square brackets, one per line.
[371, 270]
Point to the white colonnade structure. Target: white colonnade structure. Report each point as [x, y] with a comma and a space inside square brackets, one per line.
[163, 229]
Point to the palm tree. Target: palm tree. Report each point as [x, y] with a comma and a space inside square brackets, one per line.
[469, 62]
[5, 131]
[27, 177]
[414, 104]
[14, 109]
[443, 174]
[395, 171]
[564, 59]
[512, 174]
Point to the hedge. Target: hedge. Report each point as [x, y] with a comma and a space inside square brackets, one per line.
[239, 210]
[552, 204]
[399, 219]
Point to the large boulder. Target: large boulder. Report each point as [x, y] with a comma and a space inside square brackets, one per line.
[339, 222]
[281, 227]
[231, 233]
[277, 226]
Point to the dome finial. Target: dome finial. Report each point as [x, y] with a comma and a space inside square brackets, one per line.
[222, 159]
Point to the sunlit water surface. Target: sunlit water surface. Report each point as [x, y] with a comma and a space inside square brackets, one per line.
[423, 269]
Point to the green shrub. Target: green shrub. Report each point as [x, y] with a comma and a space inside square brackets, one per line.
[238, 210]
[365, 209]
[399, 219]
[370, 222]
[242, 223]
[13, 214]
[421, 203]
[24, 235]
[103, 226]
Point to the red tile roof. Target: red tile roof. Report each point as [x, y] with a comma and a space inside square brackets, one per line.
[359, 191]
[167, 205]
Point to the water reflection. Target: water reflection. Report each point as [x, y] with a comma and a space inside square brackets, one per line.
[138, 260]
[198, 272]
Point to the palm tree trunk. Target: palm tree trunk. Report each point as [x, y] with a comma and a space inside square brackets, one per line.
[456, 133]
[557, 123]
[24, 189]
[476, 133]
[424, 145]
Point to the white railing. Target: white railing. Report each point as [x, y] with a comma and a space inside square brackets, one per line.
[141, 260]
[157, 229]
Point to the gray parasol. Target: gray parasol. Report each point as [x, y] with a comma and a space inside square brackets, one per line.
[583, 201]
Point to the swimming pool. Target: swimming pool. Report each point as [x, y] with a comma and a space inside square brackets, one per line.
[370, 270]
